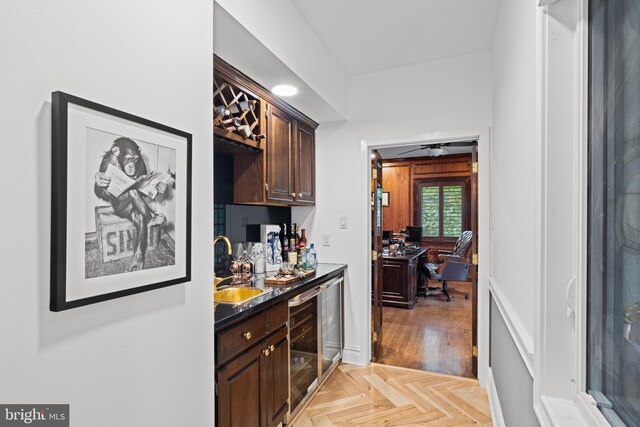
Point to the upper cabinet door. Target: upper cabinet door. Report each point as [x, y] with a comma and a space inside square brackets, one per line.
[305, 173]
[280, 158]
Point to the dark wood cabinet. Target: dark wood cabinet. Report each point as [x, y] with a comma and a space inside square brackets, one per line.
[280, 156]
[290, 159]
[400, 279]
[252, 385]
[277, 390]
[239, 390]
[305, 164]
[277, 170]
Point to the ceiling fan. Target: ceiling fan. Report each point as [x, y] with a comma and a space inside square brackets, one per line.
[440, 148]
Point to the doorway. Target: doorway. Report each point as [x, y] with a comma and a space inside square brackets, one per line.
[436, 334]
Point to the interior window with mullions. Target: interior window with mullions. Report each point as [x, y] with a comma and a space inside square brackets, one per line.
[613, 329]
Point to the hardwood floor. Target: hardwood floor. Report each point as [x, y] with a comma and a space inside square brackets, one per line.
[435, 336]
[386, 395]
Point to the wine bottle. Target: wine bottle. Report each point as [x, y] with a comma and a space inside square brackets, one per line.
[222, 111]
[302, 245]
[245, 131]
[242, 106]
[248, 105]
[231, 123]
[292, 256]
[284, 238]
[293, 237]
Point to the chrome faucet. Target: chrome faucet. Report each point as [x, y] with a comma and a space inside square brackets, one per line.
[217, 280]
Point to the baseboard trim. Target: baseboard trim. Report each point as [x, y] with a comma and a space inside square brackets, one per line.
[520, 336]
[494, 401]
[353, 355]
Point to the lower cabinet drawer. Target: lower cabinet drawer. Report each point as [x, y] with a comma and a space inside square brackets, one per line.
[240, 337]
[277, 316]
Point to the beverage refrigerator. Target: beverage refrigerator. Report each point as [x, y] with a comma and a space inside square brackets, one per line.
[315, 340]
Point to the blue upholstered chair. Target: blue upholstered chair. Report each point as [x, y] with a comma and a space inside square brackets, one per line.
[447, 265]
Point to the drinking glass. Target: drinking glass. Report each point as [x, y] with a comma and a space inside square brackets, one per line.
[238, 252]
[238, 258]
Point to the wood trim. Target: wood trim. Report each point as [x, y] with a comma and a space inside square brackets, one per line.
[305, 175]
[396, 180]
[414, 163]
[428, 160]
[466, 208]
[473, 269]
[229, 71]
[396, 162]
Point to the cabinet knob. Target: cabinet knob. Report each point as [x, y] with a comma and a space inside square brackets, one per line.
[272, 348]
[266, 352]
[293, 194]
[299, 194]
[247, 335]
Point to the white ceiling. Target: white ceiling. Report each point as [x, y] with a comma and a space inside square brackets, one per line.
[234, 44]
[373, 35]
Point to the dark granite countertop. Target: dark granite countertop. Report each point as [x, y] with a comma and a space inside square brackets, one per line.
[409, 255]
[227, 314]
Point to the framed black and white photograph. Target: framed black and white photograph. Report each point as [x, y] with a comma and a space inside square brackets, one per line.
[385, 199]
[120, 205]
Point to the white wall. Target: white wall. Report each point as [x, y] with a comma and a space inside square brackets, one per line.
[444, 93]
[449, 94]
[512, 163]
[143, 360]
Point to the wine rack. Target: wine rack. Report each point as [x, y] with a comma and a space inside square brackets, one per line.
[237, 114]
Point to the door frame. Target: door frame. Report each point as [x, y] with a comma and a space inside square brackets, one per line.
[483, 137]
[376, 305]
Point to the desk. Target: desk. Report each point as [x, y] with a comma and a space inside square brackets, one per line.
[400, 279]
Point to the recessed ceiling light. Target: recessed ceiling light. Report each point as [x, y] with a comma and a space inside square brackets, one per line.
[284, 90]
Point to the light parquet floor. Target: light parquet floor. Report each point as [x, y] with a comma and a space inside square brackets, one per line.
[378, 395]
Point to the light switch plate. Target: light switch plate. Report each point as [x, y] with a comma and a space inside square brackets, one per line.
[343, 222]
[326, 240]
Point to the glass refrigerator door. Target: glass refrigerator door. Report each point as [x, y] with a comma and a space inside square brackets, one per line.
[303, 351]
[331, 307]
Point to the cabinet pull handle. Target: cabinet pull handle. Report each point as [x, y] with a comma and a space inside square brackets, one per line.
[272, 348]
[299, 194]
[247, 335]
[293, 194]
[266, 352]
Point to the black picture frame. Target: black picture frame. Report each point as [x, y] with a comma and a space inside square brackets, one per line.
[78, 128]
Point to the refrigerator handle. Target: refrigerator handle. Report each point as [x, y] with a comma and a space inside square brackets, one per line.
[335, 282]
[301, 299]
